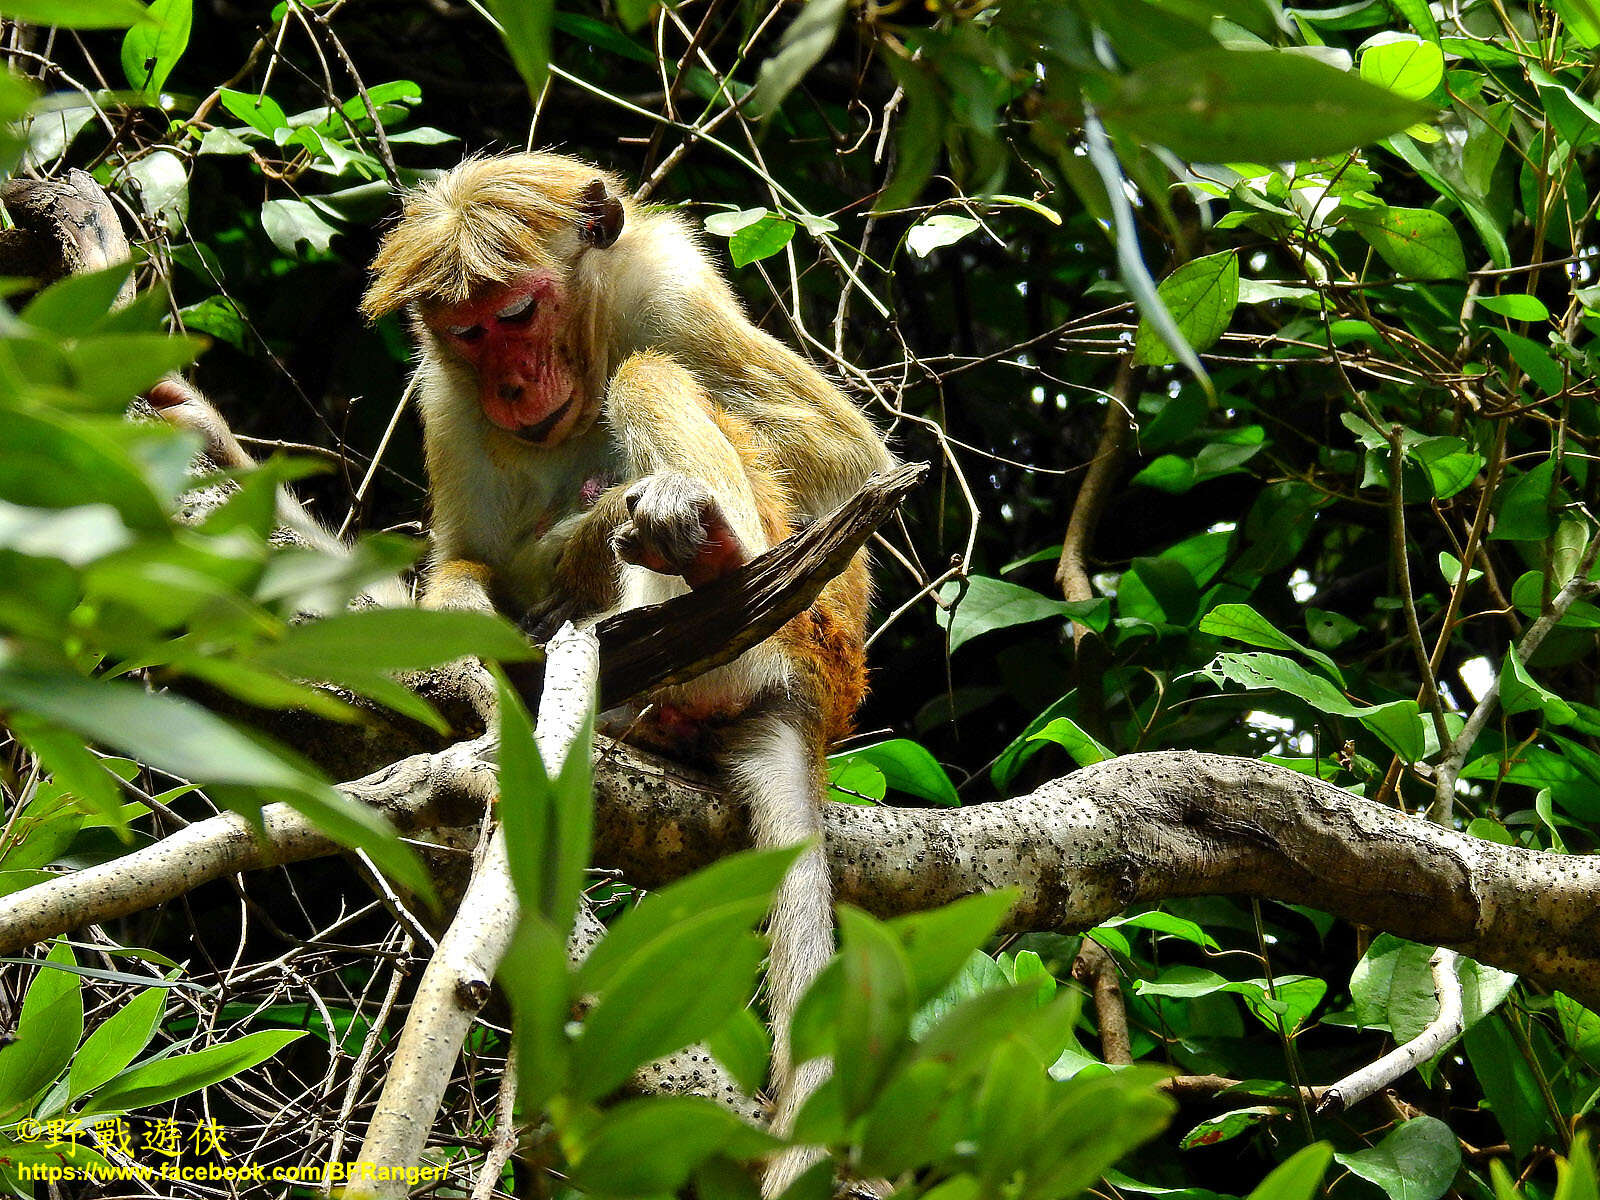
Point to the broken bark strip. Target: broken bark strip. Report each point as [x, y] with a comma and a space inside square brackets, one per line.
[690, 634]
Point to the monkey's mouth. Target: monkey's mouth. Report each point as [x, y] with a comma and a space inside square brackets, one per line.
[537, 433]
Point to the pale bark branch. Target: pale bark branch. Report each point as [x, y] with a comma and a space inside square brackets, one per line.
[460, 976]
[1438, 1033]
[1137, 829]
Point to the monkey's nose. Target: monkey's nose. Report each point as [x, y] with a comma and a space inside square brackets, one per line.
[510, 392]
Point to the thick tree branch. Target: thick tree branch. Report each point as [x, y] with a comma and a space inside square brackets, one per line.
[1144, 827]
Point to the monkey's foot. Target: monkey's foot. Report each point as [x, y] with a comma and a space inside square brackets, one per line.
[676, 527]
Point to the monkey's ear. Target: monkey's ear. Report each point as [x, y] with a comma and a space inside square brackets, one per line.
[600, 222]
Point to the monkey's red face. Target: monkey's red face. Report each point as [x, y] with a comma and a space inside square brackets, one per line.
[515, 336]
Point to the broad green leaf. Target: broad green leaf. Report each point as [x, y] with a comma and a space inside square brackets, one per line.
[726, 224]
[907, 767]
[46, 1033]
[648, 1147]
[548, 821]
[1520, 692]
[393, 639]
[525, 27]
[991, 604]
[75, 14]
[261, 112]
[150, 51]
[875, 1008]
[1510, 1088]
[76, 304]
[1417, 243]
[1522, 506]
[744, 1049]
[740, 884]
[1399, 723]
[1535, 361]
[1233, 105]
[1300, 1178]
[1200, 296]
[855, 781]
[1165, 923]
[1417, 1160]
[938, 943]
[1582, 19]
[761, 240]
[291, 222]
[1405, 65]
[803, 44]
[683, 987]
[1228, 1125]
[1244, 624]
[943, 229]
[1516, 306]
[1066, 733]
[177, 1075]
[538, 980]
[1392, 988]
[116, 1042]
[1451, 463]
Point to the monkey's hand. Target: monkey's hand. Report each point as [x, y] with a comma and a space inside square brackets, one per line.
[675, 526]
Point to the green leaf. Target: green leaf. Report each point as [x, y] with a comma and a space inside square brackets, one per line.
[1392, 988]
[1200, 296]
[46, 1034]
[75, 14]
[1398, 723]
[1299, 1178]
[1522, 509]
[744, 1050]
[991, 604]
[177, 1075]
[261, 112]
[393, 639]
[166, 731]
[1417, 243]
[907, 767]
[76, 304]
[1244, 624]
[1232, 105]
[943, 229]
[726, 224]
[802, 46]
[875, 1009]
[1519, 692]
[649, 1147]
[150, 51]
[1231, 1124]
[525, 26]
[761, 240]
[1418, 1160]
[1534, 360]
[1582, 20]
[1405, 65]
[1516, 306]
[116, 1042]
[854, 781]
[1451, 463]
[938, 943]
[683, 987]
[741, 884]
[290, 222]
[1083, 747]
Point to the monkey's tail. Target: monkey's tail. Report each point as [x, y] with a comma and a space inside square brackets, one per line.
[776, 768]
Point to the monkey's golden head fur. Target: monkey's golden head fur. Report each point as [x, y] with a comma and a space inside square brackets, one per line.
[484, 222]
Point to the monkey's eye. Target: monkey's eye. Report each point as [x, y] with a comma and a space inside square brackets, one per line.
[518, 312]
[466, 333]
